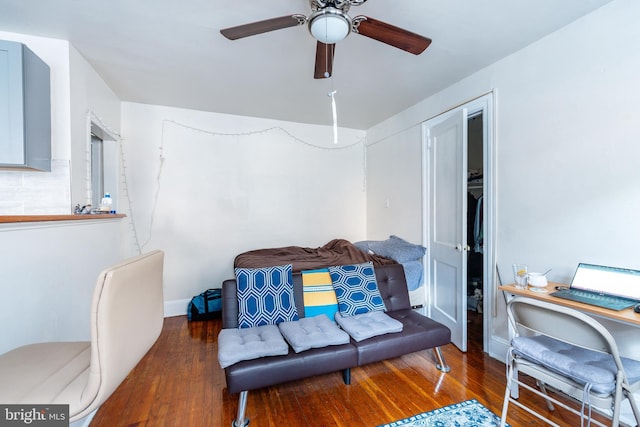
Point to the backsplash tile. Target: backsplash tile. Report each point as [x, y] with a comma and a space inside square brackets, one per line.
[36, 193]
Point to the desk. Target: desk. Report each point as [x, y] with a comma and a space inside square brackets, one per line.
[625, 316]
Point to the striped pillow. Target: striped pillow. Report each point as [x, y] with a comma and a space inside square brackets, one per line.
[319, 295]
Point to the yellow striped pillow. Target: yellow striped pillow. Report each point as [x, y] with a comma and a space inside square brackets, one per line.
[319, 296]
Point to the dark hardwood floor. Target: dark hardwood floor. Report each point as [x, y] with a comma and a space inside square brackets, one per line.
[179, 383]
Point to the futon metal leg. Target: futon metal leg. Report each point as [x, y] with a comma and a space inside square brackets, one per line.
[441, 365]
[346, 376]
[240, 420]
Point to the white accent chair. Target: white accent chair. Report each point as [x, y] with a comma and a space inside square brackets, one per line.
[127, 315]
[566, 351]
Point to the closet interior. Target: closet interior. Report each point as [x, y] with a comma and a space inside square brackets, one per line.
[475, 289]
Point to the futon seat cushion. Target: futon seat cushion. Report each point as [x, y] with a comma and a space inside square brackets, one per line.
[55, 373]
[235, 345]
[582, 365]
[367, 325]
[312, 332]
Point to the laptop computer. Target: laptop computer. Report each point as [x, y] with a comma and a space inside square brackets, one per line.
[608, 287]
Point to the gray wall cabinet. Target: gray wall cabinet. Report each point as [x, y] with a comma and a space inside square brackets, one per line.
[25, 109]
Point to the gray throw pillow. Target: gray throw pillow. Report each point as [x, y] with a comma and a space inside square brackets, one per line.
[397, 249]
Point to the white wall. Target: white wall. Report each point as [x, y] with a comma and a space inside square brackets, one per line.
[205, 187]
[47, 278]
[567, 150]
[91, 98]
[393, 194]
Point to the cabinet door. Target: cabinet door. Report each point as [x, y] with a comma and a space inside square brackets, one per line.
[25, 108]
[12, 150]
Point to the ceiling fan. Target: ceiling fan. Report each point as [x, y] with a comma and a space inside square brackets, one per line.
[328, 24]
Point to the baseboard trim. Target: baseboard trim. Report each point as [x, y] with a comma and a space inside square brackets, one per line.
[498, 348]
[176, 307]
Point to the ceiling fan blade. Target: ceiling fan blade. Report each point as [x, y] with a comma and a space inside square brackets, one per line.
[265, 26]
[391, 35]
[324, 60]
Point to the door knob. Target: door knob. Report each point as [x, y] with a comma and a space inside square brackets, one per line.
[459, 247]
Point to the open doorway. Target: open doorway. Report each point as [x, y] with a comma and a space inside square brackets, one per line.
[103, 171]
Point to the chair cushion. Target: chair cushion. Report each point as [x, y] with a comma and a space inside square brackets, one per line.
[46, 373]
[356, 289]
[582, 365]
[367, 325]
[312, 332]
[265, 296]
[235, 345]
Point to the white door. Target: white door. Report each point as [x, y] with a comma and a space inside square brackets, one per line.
[447, 188]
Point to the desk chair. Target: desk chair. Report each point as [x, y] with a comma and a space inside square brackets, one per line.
[571, 353]
[127, 314]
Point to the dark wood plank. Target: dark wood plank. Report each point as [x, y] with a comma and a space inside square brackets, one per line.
[179, 383]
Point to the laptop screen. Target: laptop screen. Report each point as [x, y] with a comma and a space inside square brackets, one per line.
[622, 282]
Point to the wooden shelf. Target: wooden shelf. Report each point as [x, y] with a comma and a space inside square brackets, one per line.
[6, 219]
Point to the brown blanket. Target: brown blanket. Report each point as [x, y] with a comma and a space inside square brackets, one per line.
[336, 252]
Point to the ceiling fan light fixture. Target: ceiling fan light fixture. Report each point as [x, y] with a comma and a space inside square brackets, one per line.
[329, 25]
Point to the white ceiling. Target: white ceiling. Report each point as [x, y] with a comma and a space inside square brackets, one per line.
[168, 52]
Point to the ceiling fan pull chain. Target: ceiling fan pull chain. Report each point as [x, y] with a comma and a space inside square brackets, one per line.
[334, 112]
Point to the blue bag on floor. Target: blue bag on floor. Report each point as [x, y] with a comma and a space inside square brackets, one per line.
[206, 306]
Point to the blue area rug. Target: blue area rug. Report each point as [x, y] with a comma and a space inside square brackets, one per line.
[466, 414]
